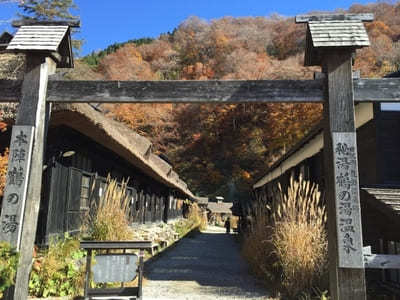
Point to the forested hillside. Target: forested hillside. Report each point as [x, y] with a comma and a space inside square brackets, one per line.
[222, 149]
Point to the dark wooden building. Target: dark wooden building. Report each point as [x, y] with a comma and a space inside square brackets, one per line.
[5, 38]
[83, 148]
[378, 143]
[219, 210]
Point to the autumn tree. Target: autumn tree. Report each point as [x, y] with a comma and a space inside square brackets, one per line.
[3, 170]
[154, 121]
[126, 63]
[222, 149]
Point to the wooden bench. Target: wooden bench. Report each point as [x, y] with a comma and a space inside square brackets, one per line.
[154, 248]
[115, 267]
[164, 243]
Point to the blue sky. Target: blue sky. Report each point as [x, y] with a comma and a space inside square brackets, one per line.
[105, 22]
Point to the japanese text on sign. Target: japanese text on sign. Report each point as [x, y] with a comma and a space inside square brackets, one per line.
[16, 185]
[347, 200]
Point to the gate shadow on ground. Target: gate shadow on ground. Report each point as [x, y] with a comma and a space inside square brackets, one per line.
[212, 260]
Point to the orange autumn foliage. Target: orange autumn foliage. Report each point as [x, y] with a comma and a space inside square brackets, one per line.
[126, 64]
[154, 121]
[222, 148]
[3, 170]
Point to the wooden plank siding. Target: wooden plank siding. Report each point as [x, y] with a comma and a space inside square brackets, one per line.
[64, 198]
[378, 143]
[389, 146]
[379, 164]
[312, 167]
[367, 153]
[38, 38]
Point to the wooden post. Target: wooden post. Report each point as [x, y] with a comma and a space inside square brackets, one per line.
[87, 273]
[17, 183]
[32, 111]
[140, 279]
[346, 269]
[167, 200]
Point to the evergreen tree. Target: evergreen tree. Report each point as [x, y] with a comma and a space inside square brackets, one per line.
[47, 10]
[50, 10]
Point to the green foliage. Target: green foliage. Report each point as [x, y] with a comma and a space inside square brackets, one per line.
[59, 270]
[8, 266]
[93, 59]
[316, 294]
[47, 9]
[169, 75]
[182, 228]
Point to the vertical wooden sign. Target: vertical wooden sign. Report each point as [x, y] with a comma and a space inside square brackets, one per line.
[32, 113]
[346, 270]
[347, 197]
[12, 213]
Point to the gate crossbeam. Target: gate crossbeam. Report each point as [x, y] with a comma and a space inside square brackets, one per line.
[217, 91]
[330, 43]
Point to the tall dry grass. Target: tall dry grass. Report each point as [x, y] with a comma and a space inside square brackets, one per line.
[195, 219]
[258, 249]
[108, 219]
[288, 242]
[198, 217]
[299, 235]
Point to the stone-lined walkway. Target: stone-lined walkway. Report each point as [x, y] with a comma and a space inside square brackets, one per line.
[207, 266]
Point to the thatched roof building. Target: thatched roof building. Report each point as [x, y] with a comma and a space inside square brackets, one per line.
[98, 146]
[220, 207]
[90, 122]
[120, 139]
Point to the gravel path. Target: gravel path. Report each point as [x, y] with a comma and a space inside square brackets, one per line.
[208, 266]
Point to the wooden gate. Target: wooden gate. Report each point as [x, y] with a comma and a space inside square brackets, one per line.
[331, 43]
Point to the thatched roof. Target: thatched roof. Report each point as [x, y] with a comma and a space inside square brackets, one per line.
[201, 200]
[118, 138]
[111, 134]
[11, 66]
[220, 207]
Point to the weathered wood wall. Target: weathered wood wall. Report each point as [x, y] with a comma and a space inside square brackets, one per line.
[378, 153]
[378, 144]
[63, 206]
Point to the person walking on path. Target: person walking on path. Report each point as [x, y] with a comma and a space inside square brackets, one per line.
[228, 225]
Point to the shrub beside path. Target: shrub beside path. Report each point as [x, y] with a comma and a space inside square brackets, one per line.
[206, 266]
